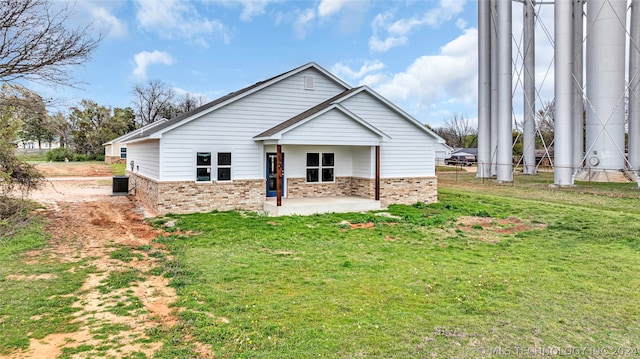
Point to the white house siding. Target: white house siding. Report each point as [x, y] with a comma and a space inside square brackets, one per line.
[108, 150]
[331, 128]
[362, 162]
[295, 160]
[232, 128]
[410, 151]
[145, 158]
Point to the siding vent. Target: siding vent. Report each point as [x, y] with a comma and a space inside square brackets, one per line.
[308, 82]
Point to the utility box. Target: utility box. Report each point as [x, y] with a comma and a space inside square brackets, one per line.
[120, 186]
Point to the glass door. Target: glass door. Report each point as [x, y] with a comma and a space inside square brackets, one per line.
[272, 172]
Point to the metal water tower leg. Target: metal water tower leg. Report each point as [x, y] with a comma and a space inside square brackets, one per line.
[494, 86]
[505, 101]
[578, 68]
[563, 87]
[484, 89]
[529, 81]
[634, 88]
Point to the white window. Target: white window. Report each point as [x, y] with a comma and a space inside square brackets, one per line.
[203, 166]
[123, 152]
[320, 167]
[224, 166]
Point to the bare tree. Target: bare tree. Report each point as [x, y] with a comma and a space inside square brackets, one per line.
[188, 102]
[152, 102]
[458, 132]
[36, 44]
[545, 124]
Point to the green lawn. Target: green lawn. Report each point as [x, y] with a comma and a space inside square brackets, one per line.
[534, 268]
[42, 304]
[512, 269]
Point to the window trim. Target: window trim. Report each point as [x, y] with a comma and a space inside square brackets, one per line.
[203, 166]
[320, 167]
[224, 166]
[125, 152]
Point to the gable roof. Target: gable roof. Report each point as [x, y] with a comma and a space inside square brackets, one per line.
[303, 115]
[229, 98]
[283, 126]
[366, 134]
[399, 111]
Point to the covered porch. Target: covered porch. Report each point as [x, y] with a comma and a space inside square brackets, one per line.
[307, 206]
[332, 163]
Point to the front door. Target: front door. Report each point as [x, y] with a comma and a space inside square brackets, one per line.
[272, 173]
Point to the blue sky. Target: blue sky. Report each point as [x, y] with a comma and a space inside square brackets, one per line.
[419, 54]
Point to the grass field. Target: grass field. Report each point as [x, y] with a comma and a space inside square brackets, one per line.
[518, 269]
[488, 269]
[41, 305]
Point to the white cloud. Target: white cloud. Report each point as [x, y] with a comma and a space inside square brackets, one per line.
[388, 34]
[103, 17]
[378, 45]
[116, 27]
[303, 22]
[328, 7]
[144, 59]
[251, 8]
[449, 77]
[373, 80]
[178, 19]
[380, 24]
[343, 70]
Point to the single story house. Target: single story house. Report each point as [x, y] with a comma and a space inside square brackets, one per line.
[115, 151]
[303, 135]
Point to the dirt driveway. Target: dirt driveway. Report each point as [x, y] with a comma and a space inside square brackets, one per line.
[87, 224]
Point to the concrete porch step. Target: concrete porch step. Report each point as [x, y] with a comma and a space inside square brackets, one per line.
[307, 206]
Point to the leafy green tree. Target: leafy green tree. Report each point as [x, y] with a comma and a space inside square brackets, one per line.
[35, 120]
[122, 121]
[59, 125]
[92, 125]
[86, 122]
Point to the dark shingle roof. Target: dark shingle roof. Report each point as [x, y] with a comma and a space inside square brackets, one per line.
[300, 117]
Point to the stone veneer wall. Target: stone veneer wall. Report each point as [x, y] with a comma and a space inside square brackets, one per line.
[392, 190]
[114, 159]
[299, 188]
[144, 190]
[408, 190]
[363, 187]
[191, 197]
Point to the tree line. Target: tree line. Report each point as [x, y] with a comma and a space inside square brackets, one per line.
[88, 125]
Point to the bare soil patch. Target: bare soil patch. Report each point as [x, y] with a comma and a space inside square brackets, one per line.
[74, 169]
[489, 229]
[86, 225]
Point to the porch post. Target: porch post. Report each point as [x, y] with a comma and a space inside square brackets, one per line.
[378, 173]
[279, 175]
